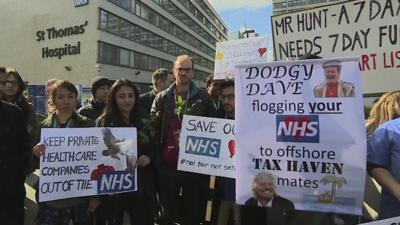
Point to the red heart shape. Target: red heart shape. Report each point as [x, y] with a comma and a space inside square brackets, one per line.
[100, 170]
[301, 120]
[262, 51]
[231, 147]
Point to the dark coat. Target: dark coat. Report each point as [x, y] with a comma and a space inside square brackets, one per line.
[146, 101]
[198, 104]
[280, 213]
[14, 141]
[92, 110]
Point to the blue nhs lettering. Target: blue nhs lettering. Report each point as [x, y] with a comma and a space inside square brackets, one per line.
[203, 146]
[118, 181]
[295, 128]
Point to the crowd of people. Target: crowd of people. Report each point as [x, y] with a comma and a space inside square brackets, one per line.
[165, 195]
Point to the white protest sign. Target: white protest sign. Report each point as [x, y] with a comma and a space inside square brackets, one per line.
[391, 221]
[87, 161]
[231, 53]
[207, 146]
[303, 124]
[364, 28]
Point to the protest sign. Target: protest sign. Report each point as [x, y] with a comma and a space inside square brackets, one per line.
[207, 146]
[366, 28]
[300, 126]
[232, 53]
[87, 161]
[391, 221]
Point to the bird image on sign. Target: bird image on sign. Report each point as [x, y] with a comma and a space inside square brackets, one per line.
[119, 148]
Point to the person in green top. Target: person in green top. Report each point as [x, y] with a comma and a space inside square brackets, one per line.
[63, 95]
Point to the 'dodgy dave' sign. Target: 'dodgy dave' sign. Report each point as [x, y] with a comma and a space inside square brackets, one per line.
[87, 161]
[300, 128]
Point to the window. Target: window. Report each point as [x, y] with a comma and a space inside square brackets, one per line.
[112, 23]
[108, 54]
[132, 59]
[153, 63]
[124, 57]
[103, 20]
[124, 28]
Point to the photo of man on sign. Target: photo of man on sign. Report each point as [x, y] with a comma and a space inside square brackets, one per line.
[264, 195]
[333, 87]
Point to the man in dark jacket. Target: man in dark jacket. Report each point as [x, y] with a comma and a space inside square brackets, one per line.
[161, 81]
[100, 88]
[15, 153]
[169, 106]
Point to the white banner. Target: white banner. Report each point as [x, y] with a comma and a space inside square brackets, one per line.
[300, 130]
[87, 161]
[207, 146]
[231, 53]
[366, 28]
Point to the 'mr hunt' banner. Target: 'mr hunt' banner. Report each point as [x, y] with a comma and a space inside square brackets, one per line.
[87, 161]
[300, 135]
[207, 146]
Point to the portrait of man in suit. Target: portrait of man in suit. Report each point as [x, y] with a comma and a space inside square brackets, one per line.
[333, 86]
[279, 209]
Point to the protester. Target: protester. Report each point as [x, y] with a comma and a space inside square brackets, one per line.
[228, 210]
[100, 88]
[383, 129]
[182, 97]
[14, 93]
[214, 90]
[49, 105]
[59, 212]
[161, 81]
[15, 153]
[122, 111]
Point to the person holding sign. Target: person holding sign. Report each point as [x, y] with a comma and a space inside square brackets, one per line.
[15, 154]
[333, 87]
[122, 111]
[63, 95]
[169, 106]
[383, 129]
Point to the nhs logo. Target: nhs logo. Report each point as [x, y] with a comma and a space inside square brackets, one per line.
[117, 181]
[295, 128]
[203, 146]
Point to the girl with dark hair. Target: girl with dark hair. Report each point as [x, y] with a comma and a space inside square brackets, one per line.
[14, 93]
[60, 212]
[122, 111]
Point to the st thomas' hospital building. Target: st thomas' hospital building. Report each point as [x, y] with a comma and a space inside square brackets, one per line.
[77, 40]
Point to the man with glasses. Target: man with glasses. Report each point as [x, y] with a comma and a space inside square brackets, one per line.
[15, 153]
[169, 106]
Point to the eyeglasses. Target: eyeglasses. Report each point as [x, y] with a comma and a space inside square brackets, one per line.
[228, 97]
[181, 70]
[3, 82]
